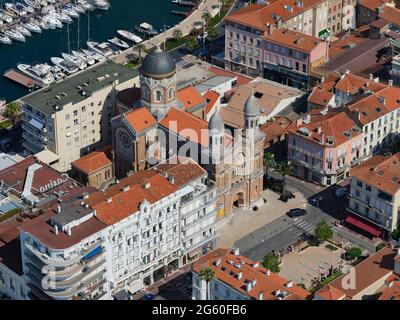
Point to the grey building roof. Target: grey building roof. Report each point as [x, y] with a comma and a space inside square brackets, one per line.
[251, 107]
[158, 64]
[212, 83]
[78, 87]
[216, 122]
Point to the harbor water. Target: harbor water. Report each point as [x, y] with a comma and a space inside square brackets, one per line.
[123, 14]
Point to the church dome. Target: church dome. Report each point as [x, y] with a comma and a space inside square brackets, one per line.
[158, 65]
[216, 122]
[251, 108]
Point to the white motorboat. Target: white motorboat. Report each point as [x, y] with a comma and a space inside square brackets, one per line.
[39, 72]
[32, 3]
[28, 9]
[129, 36]
[89, 60]
[101, 48]
[75, 60]
[63, 17]
[78, 9]
[33, 27]
[5, 17]
[70, 12]
[96, 56]
[85, 5]
[15, 35]
[64, 65]
[100, 4]
[19, 10]
[119, 43]
[5, 39]
[44, 25]
[23, 30]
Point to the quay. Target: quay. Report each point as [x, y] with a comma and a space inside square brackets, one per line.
[21, 79]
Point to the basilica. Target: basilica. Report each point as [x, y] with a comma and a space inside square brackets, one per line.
[156, 125]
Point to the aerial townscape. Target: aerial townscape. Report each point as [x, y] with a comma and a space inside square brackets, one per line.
[200, 150]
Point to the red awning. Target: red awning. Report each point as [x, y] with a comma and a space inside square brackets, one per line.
[375, 231]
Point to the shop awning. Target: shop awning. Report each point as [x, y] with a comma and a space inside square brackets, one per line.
[359, 223]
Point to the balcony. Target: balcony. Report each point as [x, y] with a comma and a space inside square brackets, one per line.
[200, 219]
[202, 242]
[203, 229]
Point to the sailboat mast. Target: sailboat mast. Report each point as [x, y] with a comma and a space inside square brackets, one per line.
[78, 31]
[88, 27]
[69, 45]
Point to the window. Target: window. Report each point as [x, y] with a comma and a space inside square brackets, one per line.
[158, 95]
[76, 122]
[359, 183]
[368, 188]
[83, 109]
[67, 117]
[75, 113]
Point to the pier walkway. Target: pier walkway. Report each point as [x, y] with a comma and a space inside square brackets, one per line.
[186, 25]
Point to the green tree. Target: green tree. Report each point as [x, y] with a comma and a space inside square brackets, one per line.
[212, 32]
[140, 49]
[396, 234]
[177, 34]
[271, 262]
[354, 252]
[269, 160]
[207, 274]
[191, 44]
[12, 110]
[323, 231]
[284, 168]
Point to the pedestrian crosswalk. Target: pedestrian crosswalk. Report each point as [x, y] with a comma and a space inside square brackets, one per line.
[184, 64]
[305, 226]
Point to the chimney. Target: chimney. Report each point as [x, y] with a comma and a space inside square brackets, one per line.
[249, 286]
[85, 195]
[69, 231]
[239, 276]
[147, 185]
[289, 284]
[236, 251]
[268, 272]
[347, 71]
[218, 262]
[253, 283]
[376, 79]
[126, 188]
[371, 76]
[319, 130]
[56, 230]
[109, 200]
[256, 265]
[390, 83]
[260, 295]
[58, 208]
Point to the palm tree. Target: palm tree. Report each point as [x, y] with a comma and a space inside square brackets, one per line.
[284, 168]
[207, 274]
[12, 110]
[140, 48]
[269, 161]
[177, 34]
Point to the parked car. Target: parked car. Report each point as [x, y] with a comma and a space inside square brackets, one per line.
[341, 192]
[297, 212]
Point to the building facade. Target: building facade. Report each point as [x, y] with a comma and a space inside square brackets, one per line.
[72, 118]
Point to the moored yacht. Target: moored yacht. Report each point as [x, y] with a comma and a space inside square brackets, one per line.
[15, 35]
[129, 36]
[101, 48]
[96, 56]
[33, 27]
[89, 60]
[118, 42]
[64, 65]
[39, 72]
[5, 39]
[75, 60]
[23, 30]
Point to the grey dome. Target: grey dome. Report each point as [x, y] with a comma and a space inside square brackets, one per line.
[216, 123]
[158, 65]
[251, 107]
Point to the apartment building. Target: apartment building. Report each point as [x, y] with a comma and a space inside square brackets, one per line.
[375, 194]
[395, 70]
[245, 29]
[324, 146]
[378, 114]
[239, 278]
[72, 118]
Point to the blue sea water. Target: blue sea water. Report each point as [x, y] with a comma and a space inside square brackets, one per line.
[123, 14]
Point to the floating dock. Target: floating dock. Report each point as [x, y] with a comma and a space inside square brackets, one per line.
[21, 79]
[185, 2]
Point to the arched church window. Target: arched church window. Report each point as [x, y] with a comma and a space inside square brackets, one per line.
[170, 93]
[158, 95]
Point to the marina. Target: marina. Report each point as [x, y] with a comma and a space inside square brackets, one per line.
[70, 42]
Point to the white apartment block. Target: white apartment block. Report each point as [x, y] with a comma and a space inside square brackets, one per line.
[71, 118]
[375, 192]
[127, 237]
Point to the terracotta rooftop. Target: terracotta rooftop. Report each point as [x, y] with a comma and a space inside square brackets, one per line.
[352, 83]
[190, 97]
[369, 271]
[392, 292]
[391, 14]
[227, 267]
[187, 126]
[258, 16]
[382, 172]
[211, 98]
[376, 105]
[373, 4]
[92, 162]
[330, 293]
[140, 119]
[320, 97]
[275, 129]
[293, 39]
[345, 43]
[331, 129]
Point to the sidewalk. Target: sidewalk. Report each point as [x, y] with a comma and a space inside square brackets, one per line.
[243, 222]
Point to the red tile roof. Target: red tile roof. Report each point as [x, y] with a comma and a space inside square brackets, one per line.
[211, 98]
[330, 293]
[92, 162]
[392, 292]
[187, 126]
[373, 4]
[351, 83]
[321, 126]
[190, 97]
[227, 267]
[294, 39]
[140, 119]
[391, 14]
[382, 172]
[320, 97]
[241, 79]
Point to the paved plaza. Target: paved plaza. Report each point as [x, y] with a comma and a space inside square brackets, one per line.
[309, 264]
